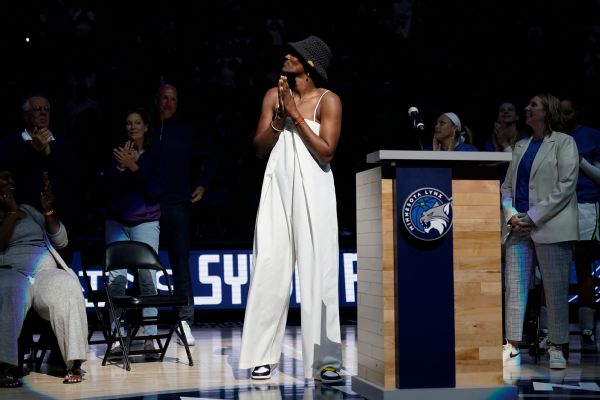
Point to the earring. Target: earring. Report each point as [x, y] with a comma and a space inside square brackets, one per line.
[307, 76]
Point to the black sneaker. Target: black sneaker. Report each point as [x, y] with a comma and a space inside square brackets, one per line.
[261, 372]
[329, 376]
[588, 342]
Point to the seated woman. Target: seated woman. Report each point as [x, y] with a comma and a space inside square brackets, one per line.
[449, 135]
[33, 274]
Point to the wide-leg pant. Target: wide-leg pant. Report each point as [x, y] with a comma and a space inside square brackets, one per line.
[296, 224]
[56, 296]
[554, 260]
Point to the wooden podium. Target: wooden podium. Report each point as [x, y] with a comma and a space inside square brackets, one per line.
[429, 276]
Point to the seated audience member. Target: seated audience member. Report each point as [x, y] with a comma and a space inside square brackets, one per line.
[134, 187]
[449, 135]
[38, 149]
[32, 274]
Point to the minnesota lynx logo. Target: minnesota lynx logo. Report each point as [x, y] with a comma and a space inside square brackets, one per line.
[427, 213]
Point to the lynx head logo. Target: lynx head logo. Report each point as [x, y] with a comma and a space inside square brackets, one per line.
[427, 214]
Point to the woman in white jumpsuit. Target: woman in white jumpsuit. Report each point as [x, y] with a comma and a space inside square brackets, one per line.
[296, 221]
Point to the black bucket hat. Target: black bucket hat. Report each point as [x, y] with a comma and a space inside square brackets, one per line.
[315, 52]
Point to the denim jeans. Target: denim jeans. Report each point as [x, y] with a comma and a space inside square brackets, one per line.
[147, 232]
[175, 226]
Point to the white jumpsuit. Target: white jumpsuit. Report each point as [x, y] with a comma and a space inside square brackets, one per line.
[296, 223]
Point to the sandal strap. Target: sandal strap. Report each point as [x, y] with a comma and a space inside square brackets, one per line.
[10, 380]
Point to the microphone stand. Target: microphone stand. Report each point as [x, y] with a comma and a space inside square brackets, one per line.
[417, 132]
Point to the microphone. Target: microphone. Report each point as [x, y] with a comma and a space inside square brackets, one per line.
[413, 113]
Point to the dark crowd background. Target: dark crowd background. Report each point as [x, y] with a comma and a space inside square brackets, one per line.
[94, 59]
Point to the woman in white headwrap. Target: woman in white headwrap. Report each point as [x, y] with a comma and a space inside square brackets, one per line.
[449, 135]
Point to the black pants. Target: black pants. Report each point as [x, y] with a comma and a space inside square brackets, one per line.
[175, 237]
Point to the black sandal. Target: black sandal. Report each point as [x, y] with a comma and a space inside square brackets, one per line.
[74, 375]
[9, 381]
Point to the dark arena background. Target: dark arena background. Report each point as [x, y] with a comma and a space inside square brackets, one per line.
[96, 59]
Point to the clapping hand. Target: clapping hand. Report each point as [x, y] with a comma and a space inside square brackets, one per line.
[47, 195]
[500, 140]
[198, 194]
[126, 156]
[7, 196]
[40, 140]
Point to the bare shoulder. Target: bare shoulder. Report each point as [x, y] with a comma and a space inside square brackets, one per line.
[271, 93]
[330, 98]
[270, 99]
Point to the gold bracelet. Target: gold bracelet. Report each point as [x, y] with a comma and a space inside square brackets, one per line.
[275, 129]
[48, 213]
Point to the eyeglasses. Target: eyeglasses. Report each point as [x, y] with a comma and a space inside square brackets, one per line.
[40, 109]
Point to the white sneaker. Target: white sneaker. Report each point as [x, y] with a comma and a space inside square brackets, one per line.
[556, 359]
[187, 331]
[511, 355]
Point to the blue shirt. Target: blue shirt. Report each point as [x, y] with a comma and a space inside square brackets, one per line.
[503, 168]
[588, 146]
[489, 145]
[523, 174]
[459, 147]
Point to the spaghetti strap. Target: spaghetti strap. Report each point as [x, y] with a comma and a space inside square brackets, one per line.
[317, 106]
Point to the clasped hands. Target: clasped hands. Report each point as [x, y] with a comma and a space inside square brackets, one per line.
[521, 223]
[126, 156]
[285, 100]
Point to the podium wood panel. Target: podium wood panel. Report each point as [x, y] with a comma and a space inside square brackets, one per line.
[376, 259]
[477, 283]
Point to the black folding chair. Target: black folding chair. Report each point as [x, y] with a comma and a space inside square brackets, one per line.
[35, 350]
[92, 255]
[127, 311]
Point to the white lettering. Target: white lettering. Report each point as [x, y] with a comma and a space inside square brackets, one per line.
[213, 280]
[350, 277]
[219, 272]
[95, 276]
[163, 286]
[232, 280]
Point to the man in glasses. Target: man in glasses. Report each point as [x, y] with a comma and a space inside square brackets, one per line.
[36, 154]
